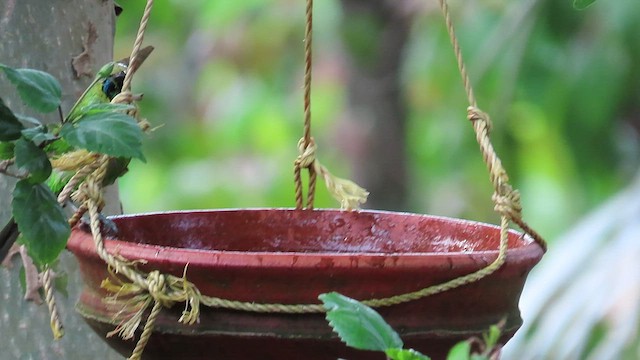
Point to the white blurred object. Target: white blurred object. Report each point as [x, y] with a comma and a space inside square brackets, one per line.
[583, 300]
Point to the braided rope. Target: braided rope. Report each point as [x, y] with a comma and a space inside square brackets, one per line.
[79, 159]
[76, 179]
[506, 199]
[458, 53]
[146, 332]
[308, 59]
[306, 140]
[126, 84]
[54, 316]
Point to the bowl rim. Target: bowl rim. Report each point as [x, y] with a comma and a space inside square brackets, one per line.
[530, 251]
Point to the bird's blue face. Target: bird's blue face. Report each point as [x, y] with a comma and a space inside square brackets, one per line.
[112, 85]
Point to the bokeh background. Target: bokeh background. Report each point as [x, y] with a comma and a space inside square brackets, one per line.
[224, 87]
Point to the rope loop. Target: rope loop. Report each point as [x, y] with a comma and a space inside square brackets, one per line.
[307, 154]
[156, 283]
[507, 203]
[475, 114]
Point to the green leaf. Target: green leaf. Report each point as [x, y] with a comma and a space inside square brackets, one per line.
[41, 221]
[582, 4]
[7, 150]
[405, 354]
[38, 89]
[358, 325]
[460, 351]
[110, 133]
[491, 338]
[33, 159]
[28, 119]
[38, 134]
[10, 126]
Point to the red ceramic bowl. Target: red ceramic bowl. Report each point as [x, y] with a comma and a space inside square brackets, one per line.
[292, 256]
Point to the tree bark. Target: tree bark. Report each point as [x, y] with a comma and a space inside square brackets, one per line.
[48, 35]
[375, 33]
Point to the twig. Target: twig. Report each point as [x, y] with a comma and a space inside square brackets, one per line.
[4, 169]
[32, 280]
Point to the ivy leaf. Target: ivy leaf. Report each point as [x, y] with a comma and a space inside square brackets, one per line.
[582, 4]
[110, 133]
[41, 221]
[33, 159]
[6, 150]
[460, 351]
[10, 126]
[358, 325]
[38, 89]
[405, 354]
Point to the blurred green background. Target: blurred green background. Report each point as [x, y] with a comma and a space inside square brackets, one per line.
[224, 88]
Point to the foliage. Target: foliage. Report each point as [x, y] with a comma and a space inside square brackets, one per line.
[361, 327]
[105, 132]
[38, 89]
[226, 93]
[102, 129]
[358, 325]
[582, 4]
[41, 221]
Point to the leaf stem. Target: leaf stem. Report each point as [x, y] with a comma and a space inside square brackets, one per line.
[60, 114]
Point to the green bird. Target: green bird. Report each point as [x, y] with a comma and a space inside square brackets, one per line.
[107, 85]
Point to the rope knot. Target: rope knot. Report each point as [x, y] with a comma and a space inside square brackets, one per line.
[307, 154]
[90, 191]
[507, 202]
[74, 161]
[475, 114]
[126, 97]
[156, 282]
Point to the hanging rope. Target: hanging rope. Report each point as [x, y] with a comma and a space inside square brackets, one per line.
[505, 198]
[54, 315]
[137, 44]
[348, 193]
[306, 145]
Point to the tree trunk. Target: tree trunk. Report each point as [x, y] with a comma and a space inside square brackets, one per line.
[375, 33]
[47, 35]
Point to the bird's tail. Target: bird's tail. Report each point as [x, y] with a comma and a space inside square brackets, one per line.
[8, 236]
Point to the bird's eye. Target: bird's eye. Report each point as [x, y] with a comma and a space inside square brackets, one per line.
[113, 85]
[109, 88]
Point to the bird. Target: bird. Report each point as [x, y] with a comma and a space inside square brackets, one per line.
[106, 86]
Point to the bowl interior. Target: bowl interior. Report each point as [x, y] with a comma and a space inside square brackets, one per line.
[317, 231]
